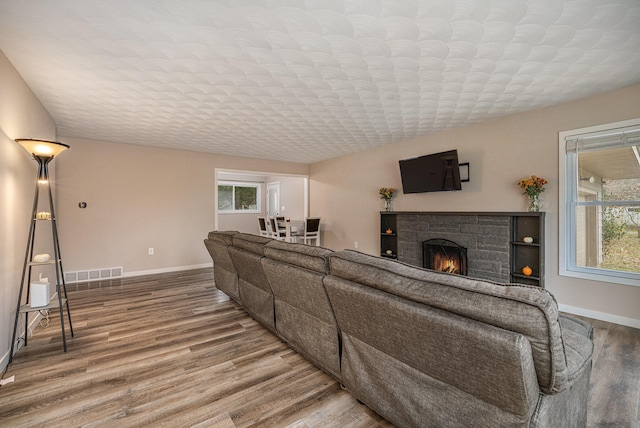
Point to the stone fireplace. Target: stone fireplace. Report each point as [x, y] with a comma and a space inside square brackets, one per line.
[485, 237]
[444, 255]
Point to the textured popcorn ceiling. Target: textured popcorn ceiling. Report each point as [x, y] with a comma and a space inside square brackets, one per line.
[309, 80]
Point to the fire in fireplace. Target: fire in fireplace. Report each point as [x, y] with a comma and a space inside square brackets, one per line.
[444, 256]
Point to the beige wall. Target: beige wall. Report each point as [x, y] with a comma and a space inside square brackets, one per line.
[344, 191]
[291, 196]
[140, 197]
[21, 116]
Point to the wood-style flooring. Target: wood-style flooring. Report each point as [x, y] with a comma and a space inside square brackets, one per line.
[172, 350]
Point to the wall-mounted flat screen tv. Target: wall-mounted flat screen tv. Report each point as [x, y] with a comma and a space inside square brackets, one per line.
[431, 173]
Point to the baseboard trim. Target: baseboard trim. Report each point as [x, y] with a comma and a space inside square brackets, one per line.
[602, 316]
[166, 270]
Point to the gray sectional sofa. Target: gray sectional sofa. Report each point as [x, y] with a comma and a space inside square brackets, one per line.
[421, 348]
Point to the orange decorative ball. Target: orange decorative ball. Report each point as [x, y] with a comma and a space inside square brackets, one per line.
[527, 270]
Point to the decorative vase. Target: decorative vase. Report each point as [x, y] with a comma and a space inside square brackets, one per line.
[388, 205]
[534, 203]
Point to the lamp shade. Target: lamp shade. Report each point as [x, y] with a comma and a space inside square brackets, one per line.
[42, 148]
[43, 152]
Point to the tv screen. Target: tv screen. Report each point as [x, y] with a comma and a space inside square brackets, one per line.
[431, 173]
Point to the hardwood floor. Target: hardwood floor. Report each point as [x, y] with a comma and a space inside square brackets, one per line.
[614, 392]
[171, 350]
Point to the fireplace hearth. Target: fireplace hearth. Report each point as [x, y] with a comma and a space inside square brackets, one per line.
[444, 255]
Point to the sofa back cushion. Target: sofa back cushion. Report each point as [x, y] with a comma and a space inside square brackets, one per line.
[305, 256]
[304, 316]
[253, 287]
[224, 236]
[252, 243]
[421, 366]
[528, 310]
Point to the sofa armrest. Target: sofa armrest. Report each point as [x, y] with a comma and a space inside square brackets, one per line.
[568, 322]
[577, 339]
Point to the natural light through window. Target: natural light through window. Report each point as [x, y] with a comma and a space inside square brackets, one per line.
[601, 198]
[238, 197]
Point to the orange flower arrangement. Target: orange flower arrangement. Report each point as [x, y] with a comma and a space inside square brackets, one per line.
[532, 186]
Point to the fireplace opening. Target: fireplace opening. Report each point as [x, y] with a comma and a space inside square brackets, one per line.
[444, 256]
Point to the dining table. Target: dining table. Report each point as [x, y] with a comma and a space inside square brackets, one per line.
[293, 228]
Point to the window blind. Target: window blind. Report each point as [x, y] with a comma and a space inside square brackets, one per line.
[609, 139]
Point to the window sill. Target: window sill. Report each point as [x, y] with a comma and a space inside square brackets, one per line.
[239, 212]
[614, 277]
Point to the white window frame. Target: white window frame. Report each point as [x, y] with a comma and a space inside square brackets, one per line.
[257, 186]
[568, 193]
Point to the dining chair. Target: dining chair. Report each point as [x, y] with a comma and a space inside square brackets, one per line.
[311, 231]
[277, 232]
[263, 227]
[269, 229]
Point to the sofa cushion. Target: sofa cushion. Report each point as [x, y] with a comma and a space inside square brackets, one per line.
[528, 310]
[252, 243]
[568, 322]
[386, 338]
[304, 317]
[224, 236]
[253, 287]
[305, 256]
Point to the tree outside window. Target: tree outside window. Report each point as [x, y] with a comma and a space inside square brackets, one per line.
[238, 197]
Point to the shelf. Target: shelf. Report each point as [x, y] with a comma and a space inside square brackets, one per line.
[50, 262]
[388, 241]
[525, 253]
[525, 244]
[521, 275]
[53, 304]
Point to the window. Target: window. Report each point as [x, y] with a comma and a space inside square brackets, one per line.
[600, 203]
[238, 197]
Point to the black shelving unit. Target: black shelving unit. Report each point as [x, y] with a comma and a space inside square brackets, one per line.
[388, 235]
[527, 253]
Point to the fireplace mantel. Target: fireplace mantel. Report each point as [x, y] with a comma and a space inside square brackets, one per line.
[496, 250]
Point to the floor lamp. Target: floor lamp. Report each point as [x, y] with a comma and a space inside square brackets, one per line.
[43, 152]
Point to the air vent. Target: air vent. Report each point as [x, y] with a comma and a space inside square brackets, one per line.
[93, 275]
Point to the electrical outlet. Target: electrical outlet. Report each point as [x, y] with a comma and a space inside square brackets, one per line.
[150, 251]
[355, 244]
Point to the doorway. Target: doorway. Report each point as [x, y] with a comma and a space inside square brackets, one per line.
[273, 199]
[288, 196]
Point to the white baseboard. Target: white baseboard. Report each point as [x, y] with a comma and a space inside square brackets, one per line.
[602, 316]
[167, 270]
